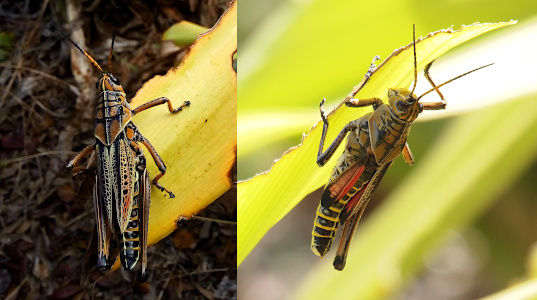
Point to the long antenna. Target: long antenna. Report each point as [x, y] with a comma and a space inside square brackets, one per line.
[452, 79]
[111, 48]
[78, 47]
[415, 60]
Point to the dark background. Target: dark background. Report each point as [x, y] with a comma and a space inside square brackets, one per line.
[46, 116]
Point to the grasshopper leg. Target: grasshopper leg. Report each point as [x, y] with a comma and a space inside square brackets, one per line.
[367, 76]
[160, 101]
[323, 157]
[433, 105]
[87, 150]
[376, 102]
[407, 155]
[103, 234]
[145, 193]
[158, 161]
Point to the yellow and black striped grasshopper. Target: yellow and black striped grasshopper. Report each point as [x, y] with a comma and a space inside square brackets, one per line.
[374, 141]
[121, 194]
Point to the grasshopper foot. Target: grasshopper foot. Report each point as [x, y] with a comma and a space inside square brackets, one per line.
[160, 187]
[321, 109]
[180, 108]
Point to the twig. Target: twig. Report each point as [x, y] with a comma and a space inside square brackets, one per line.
[23, 158]
[32, 70]
[214, 220]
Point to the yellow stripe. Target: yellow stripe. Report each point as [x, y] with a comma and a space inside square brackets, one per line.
[324, 227]
[319, 235]
[320, 214]
[343, 202]
[335, 210]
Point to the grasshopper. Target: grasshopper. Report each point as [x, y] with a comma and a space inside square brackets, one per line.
[373, 143]
[121, 194]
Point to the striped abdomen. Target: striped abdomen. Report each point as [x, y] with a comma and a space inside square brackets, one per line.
[129, 240]
[327, 221]
[341, 196]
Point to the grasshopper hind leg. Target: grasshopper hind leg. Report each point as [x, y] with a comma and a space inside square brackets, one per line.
[156, 157]
[103, 233]
[145, 194]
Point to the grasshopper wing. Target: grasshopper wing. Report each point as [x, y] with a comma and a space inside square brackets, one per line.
[341, 185]
[354, 209]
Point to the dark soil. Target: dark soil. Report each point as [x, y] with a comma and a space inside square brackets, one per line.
[46, 223]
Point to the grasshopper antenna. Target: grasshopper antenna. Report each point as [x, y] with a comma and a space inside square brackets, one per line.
[111, 49]
[78, 47]
[452, 79]
[415, 60]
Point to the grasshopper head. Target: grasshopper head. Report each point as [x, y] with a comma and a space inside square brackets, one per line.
[404, 104]
[109, 83]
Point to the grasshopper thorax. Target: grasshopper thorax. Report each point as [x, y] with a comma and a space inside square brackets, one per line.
[109, 82]
[404, 104]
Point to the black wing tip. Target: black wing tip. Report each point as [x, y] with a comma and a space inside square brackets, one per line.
[339, 262]
[326, 199]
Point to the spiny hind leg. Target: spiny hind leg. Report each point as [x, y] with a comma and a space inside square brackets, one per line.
[158, 161]
[160, 101]
[323, 157]
[145, 193]
[345, 241]
[103, 231]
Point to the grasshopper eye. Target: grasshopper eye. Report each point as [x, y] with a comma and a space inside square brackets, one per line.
[114, 80]
[402, 105]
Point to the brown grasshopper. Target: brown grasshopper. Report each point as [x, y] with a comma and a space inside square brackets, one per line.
[121, 194]
[374, 141]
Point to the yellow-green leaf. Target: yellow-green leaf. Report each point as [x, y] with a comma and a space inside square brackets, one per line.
[521, 291]
[183, 33]
[265, 199]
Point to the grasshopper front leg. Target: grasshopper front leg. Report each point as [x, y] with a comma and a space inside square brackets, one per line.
[407, 155]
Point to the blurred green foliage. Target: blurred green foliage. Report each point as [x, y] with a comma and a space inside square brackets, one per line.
[183, 33]
[6, 43]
